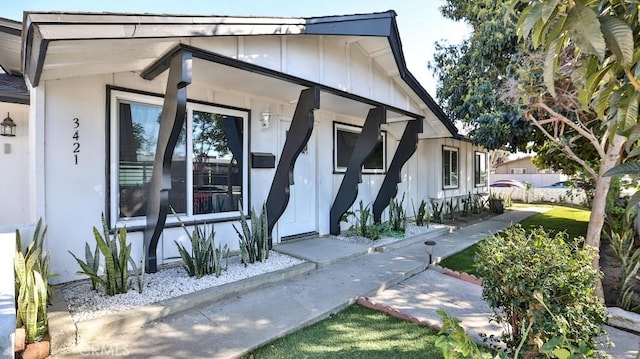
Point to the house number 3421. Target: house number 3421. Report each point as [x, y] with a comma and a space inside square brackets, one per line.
[76, 139]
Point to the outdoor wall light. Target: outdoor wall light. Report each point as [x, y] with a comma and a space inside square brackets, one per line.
[265, 121]
[8, 127]
[430, 245]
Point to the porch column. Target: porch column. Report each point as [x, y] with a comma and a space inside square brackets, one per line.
[364, 147]
[406, 148]
[174, 113]
[299, 134]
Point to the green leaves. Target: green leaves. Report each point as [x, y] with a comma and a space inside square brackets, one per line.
[584, 29]
[117, 255]
[254, 240]
[619, 38]
[32, 289]
[519, 267]
[204, 258]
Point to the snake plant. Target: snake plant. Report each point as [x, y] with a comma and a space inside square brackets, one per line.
[397, 215]
[254, 240]
[204, 258]
[117, 254]
[33, 291]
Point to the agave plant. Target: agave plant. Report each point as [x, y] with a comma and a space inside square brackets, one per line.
[254, 240]
[204, 258]
[117, 255]
[33, 291]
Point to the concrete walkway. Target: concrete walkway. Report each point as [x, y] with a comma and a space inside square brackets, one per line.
[395, 277]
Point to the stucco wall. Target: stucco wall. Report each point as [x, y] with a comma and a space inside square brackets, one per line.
[14, 161]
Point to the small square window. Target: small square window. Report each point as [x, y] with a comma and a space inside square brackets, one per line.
[345, 138]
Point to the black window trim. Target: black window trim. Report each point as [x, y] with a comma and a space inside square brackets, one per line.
[108, 182]
[357, 129]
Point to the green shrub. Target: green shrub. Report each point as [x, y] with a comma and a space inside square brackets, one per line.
[362, 223]
[621, 242]
[397, 215]
[516, 267]
[117, 255]
[32, 289]
[254, 240]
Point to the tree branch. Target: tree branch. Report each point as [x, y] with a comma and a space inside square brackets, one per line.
[580, 129]
[563, 146]
[633, 81]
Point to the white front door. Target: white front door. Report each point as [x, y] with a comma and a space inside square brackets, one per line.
[300, 216]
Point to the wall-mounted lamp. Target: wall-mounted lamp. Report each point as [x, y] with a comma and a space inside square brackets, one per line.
[265, 121]
[8, 127]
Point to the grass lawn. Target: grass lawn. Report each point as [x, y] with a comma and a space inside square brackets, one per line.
[356, 332]
[559, 218]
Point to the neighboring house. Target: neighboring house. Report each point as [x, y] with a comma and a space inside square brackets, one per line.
[123, 114]
[522, 169]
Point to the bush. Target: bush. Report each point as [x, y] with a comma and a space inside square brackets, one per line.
[517, 267]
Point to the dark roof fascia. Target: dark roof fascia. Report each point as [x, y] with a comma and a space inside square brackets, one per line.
[12, 98]
[12, 30]
[375, 24]
[163, 62]
[407, 76]
[379, 24]
[13, 89]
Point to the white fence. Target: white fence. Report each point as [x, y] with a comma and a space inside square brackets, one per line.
[536, 179]
[553, 195]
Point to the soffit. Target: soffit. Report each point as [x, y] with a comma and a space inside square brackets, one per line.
[10, 45]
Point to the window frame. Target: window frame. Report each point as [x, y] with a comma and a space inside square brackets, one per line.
[451, 150]
[339, 126]
[479, 179]
[117, 95]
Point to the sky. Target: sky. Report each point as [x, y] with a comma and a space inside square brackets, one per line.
[419, 21]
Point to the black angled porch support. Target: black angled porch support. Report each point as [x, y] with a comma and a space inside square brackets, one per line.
[364, 147]
[297, 138]
[406, 148]
[174, 113]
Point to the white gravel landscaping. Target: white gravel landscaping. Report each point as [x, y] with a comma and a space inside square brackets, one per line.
[85, 303]
[411, 231]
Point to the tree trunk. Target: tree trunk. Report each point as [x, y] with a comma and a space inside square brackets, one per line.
[596, 220]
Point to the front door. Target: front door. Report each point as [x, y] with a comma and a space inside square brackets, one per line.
[300, 216]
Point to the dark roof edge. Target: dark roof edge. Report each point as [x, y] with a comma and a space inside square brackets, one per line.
[13, 98]
[379, 24]
[407, 76]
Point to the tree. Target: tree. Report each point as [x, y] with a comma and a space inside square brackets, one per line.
[472, 73]
[595, 45]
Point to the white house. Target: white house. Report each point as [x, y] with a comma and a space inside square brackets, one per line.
[123, 114]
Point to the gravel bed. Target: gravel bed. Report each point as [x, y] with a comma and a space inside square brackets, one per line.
[85, 303]
[411, 231]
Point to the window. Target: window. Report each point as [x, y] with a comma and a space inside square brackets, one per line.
[209, 164]
[344, 142]
[480, 169]
[518, 171]
[449, 167]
